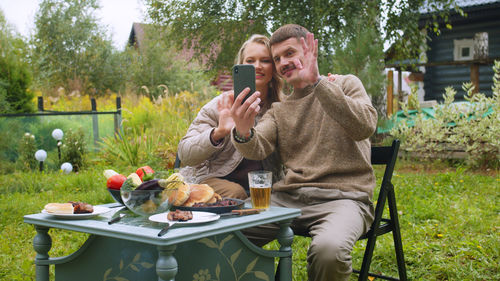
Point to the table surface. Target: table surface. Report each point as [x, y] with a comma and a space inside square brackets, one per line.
[140, 229]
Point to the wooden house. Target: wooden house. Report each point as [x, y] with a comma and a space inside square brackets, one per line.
[136, 37]
[464, 53]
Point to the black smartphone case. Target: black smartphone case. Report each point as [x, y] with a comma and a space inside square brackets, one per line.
[243, 77]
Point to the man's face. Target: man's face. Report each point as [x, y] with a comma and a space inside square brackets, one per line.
[284, 55]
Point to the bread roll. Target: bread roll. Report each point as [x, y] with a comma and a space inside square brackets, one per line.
[59, 208]
[200, 193]
[181, 195]
[214, 198]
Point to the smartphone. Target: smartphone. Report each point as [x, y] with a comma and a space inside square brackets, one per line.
[243, 77]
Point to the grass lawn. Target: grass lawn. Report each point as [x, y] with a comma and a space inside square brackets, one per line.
[449, 220]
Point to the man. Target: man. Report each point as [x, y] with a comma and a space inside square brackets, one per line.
[321, 132]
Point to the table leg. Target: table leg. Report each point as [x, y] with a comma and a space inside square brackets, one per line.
[285, 238]
[166, 266]
[42, 244]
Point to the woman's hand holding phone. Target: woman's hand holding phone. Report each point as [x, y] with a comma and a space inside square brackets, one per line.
[244, 113]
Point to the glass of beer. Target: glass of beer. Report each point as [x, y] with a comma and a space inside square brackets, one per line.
[260, 183]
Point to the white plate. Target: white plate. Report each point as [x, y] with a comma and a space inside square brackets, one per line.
[97, 211]
[198, 217]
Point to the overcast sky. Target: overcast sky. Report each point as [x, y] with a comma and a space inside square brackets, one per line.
[118, 15]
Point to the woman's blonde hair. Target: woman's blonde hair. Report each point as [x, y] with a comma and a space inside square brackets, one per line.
[276, 83]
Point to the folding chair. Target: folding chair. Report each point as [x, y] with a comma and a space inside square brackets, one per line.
[387, 156]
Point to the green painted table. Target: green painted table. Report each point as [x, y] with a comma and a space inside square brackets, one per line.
[131, 249]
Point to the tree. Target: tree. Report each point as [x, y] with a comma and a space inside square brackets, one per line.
[228, 23]
[157, 64]
[213, 29]
[15, 75]
[402, 26]
[70, 51]
[337, 24]
[362, 56]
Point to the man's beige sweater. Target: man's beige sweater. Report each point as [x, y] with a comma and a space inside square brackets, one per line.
[322, 135]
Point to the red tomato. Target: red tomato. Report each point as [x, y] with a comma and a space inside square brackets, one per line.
[116, 181]
[144, 169]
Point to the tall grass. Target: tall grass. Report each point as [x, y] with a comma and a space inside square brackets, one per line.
[151, 130]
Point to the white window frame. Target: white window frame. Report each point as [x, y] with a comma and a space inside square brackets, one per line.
[459, 45]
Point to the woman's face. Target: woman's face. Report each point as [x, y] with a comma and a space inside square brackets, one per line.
[258, 55]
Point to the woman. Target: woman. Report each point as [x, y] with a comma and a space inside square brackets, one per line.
[206, 148]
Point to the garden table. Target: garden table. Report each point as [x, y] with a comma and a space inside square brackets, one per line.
[131, 249]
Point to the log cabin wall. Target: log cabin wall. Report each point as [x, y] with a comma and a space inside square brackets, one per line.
[443, 70]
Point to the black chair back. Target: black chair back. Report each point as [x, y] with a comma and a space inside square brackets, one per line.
[384, 155]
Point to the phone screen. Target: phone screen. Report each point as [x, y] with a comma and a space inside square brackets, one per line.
[243, 77]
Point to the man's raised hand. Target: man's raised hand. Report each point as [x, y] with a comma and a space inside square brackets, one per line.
[308, 70]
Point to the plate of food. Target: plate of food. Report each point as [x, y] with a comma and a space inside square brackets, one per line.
[184, 217]
[202, 198]
[74, 210]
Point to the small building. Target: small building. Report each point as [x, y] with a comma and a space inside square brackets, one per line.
[136, 37]
[464, 53]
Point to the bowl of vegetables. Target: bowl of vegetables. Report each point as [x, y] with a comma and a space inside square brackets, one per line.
[114, 180]
[149, 197]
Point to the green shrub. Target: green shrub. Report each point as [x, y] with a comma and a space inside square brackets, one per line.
[473, 127]
[8, 137]
[4, 105]
[41, 127]
[74, 149]
[27, 149]
[129, 148]
[15, 153]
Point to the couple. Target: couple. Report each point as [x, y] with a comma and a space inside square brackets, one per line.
[320, 134]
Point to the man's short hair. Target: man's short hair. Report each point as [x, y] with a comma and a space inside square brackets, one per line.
[288, 31]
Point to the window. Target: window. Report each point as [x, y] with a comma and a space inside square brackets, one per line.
[463, 49]
[465, 52]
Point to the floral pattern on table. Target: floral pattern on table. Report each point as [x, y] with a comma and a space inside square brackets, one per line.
[134, 265]
[230, 258]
